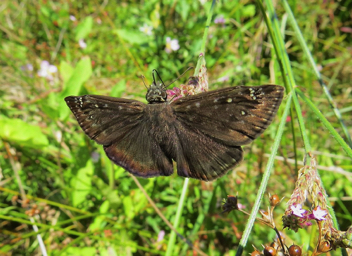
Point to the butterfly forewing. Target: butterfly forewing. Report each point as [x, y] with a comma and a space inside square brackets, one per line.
[122, 127]
[234, 116]
[104, 118]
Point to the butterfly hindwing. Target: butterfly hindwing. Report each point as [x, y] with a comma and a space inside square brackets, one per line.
[201, 157]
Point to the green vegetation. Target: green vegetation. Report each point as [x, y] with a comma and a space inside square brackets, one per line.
[54, 179]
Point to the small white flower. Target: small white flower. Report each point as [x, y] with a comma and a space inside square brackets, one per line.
[319, 214]
[297, 210]
[72, 18]
[202, 2]
[171, 45]
[82, 44]
[46, 70]
[146, 29]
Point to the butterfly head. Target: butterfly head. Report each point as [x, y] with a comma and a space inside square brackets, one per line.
[157, 91]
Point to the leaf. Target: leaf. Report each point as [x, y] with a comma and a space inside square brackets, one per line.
[100, 221]
[183, 9]
[155, 16]
[110, 195]
[45, 11]
[130, 36]
[82, 184]
[118, 89]
[109, 251]
[66, 71]
[86, 251]
[248, 10]
[84, 28]
[16, 50]
[80, 74]
[128, 207]
[18, 131]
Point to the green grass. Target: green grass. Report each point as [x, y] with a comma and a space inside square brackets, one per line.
[83, 204]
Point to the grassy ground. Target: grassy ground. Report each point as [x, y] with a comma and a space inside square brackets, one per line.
[52, 175]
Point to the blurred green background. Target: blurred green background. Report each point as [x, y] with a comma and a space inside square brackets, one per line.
[82, 204]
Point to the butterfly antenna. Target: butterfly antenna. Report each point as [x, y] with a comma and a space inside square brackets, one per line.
[143, 77]
[155, 71]
[179, 76]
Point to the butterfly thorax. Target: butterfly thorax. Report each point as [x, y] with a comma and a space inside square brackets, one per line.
[156, 93]
[162, 120]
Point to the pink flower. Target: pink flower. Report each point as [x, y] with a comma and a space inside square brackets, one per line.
[171, 45]
[297, 210]
[161, 235]
[219, 20]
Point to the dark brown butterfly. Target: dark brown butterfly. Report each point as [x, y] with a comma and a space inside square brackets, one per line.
[202, 133]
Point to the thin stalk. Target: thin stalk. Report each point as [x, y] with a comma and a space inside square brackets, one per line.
[180, 206]
[201, 216]
[205, 36]
[308, 54]
[326, 123]
[265, 178]
[179, 211]
[172, 239]
[284, 62]
[16, 166]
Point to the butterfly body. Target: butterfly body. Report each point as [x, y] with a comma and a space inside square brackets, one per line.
[202, 133]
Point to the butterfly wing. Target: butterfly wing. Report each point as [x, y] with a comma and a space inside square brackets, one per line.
[118, 124]
[201, 157]
[213, 125]
[233, 116]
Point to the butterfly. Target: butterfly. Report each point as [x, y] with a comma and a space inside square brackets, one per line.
[202, 133]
